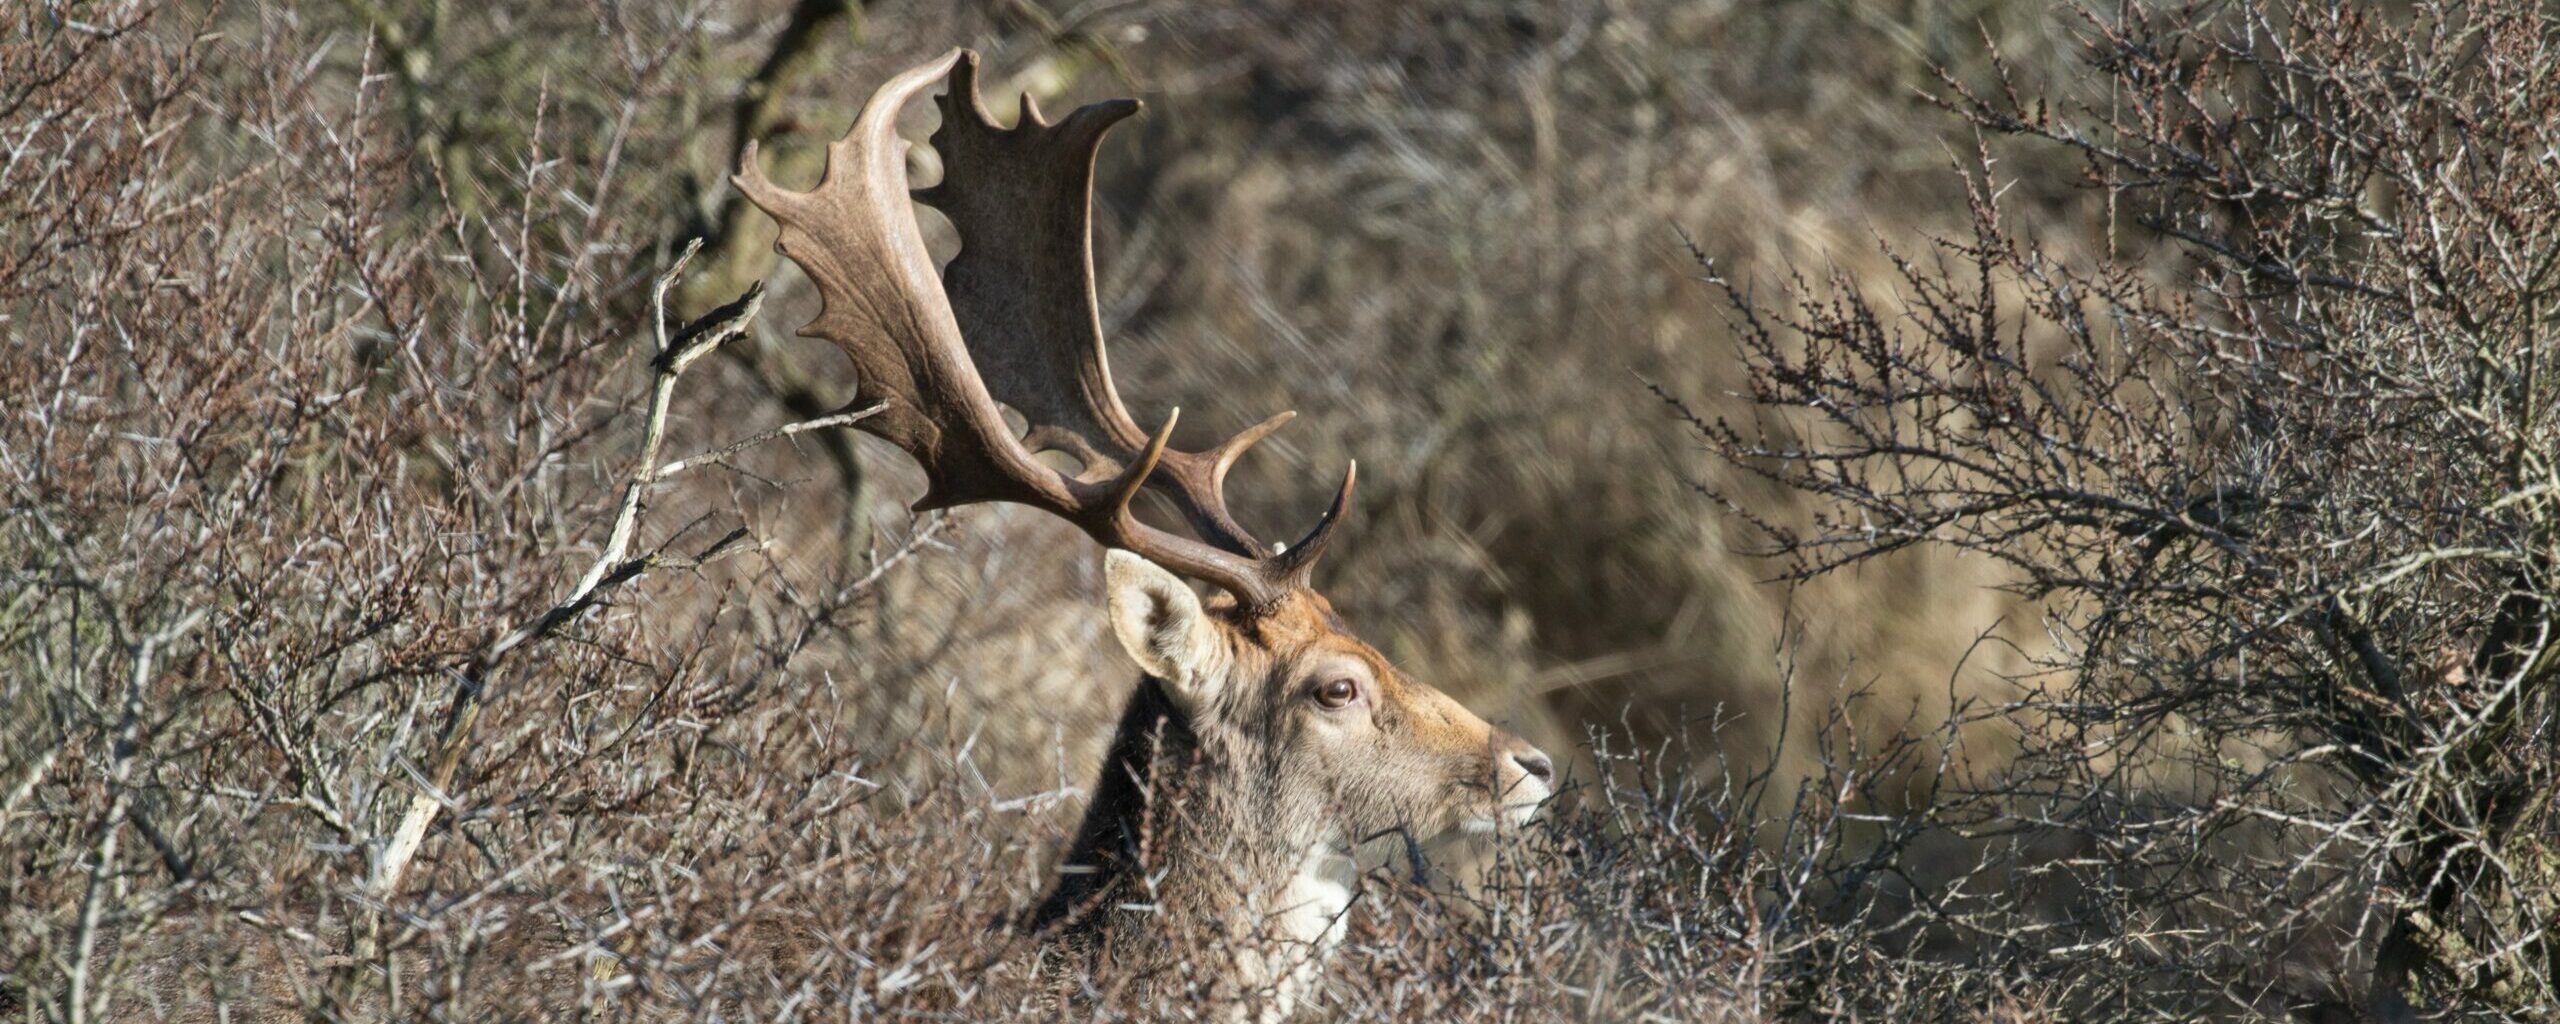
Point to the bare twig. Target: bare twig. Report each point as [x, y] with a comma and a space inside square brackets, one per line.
[612, 565]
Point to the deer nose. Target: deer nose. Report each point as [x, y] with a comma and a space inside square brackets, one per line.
[1534, 761]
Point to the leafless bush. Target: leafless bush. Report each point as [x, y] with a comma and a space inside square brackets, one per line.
[290, 470]
[2280, 472]
[359, 659]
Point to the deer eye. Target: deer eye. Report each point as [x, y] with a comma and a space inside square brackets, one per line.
[1337, 693]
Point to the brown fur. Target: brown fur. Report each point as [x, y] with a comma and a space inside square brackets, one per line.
[1204, 815]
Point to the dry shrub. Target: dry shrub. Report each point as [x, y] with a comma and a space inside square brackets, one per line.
[294, 456]
[329, 347]
[2283, 483]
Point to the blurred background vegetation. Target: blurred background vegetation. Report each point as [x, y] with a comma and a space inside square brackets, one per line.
[1455, 236]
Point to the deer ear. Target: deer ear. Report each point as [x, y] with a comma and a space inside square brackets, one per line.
[1159, 620]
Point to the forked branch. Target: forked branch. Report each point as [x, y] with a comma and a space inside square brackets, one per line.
[613, 566]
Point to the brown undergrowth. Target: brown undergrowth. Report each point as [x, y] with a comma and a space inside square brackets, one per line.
[356, 632]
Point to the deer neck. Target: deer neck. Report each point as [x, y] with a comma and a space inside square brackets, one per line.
[1181, 835]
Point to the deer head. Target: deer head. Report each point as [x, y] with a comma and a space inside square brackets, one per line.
[1302, 753]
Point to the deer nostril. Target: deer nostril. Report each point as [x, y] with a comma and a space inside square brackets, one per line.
[1536, 764]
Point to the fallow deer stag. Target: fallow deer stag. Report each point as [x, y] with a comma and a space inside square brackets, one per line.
[1300, 756]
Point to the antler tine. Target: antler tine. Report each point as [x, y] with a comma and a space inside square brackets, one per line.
[1125, 489]
[1296, 564]
[1223, 457]
[1011, 320]
[1198, 485]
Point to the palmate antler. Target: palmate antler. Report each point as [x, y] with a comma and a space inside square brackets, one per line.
[1011, 320]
